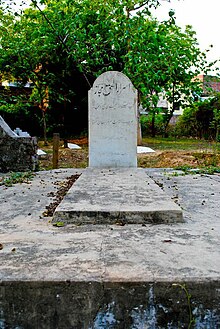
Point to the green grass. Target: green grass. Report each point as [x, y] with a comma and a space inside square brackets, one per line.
[185, 144]
[209, 170]
[17, 177]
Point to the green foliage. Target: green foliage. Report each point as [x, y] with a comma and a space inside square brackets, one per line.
[64, 45]
[215, 123]
[146, 124]
[187, 170]
[59, 224]
[201, 120]
[187, 124]
[163, 58]
[17, 177]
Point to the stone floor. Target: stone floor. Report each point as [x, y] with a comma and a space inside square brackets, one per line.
[177, 251]
[33, 251]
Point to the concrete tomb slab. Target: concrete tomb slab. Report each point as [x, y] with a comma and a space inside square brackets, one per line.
[117, 195]
[112, 122]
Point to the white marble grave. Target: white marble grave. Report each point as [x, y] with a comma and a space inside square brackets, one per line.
[112, 122]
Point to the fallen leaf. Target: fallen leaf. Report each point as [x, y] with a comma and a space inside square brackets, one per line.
[59, 224]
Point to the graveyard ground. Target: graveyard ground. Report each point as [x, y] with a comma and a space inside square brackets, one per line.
[169, 153]
[82, 276]
[89, 274]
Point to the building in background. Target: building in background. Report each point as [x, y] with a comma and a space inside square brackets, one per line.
[210, 84]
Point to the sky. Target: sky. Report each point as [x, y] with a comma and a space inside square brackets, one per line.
[204, 17]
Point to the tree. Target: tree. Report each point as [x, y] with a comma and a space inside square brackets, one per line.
[62, 47]
[65, 45]
[163, 59]
[184, 61]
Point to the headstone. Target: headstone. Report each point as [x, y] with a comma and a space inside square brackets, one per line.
[112, 122]
[17, 152]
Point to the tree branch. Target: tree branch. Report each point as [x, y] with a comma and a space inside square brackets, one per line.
[59, 37]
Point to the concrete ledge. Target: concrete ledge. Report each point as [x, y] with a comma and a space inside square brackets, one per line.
[123, 196]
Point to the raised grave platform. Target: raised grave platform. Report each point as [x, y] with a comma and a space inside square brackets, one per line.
[110, 276]
[123, 196]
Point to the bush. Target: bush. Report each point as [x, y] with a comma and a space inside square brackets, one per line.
[146, 124]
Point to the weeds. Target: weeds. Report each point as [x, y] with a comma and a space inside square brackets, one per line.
[188, 296]
[17, 177]
[187, 170]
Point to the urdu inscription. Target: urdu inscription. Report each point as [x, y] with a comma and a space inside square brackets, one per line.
[112, 122]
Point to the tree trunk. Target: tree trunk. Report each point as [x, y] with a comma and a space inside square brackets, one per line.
[169, 114]
[217, 134]
[153, 132]
[139, 134]
[44, 128]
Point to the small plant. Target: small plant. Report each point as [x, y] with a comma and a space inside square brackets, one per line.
[184, 168]
[209, 170]
[188, 296]
[192, 171]
[17, 177]
[59, 224]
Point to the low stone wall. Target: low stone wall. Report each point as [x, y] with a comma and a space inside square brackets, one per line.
[99, 305]
[16, 153]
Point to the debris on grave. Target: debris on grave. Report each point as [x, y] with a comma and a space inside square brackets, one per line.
[59, 195]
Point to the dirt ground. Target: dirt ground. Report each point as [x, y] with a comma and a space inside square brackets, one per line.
[172, 159]
[78, 158]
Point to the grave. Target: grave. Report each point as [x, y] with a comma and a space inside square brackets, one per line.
[17, 152]
[113, 190]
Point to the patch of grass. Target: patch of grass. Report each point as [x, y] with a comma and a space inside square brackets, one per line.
[209, 170]
[17, 177]
[159, 143]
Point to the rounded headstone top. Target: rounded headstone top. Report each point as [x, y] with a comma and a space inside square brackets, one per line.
[112, 83]
[109, 75]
